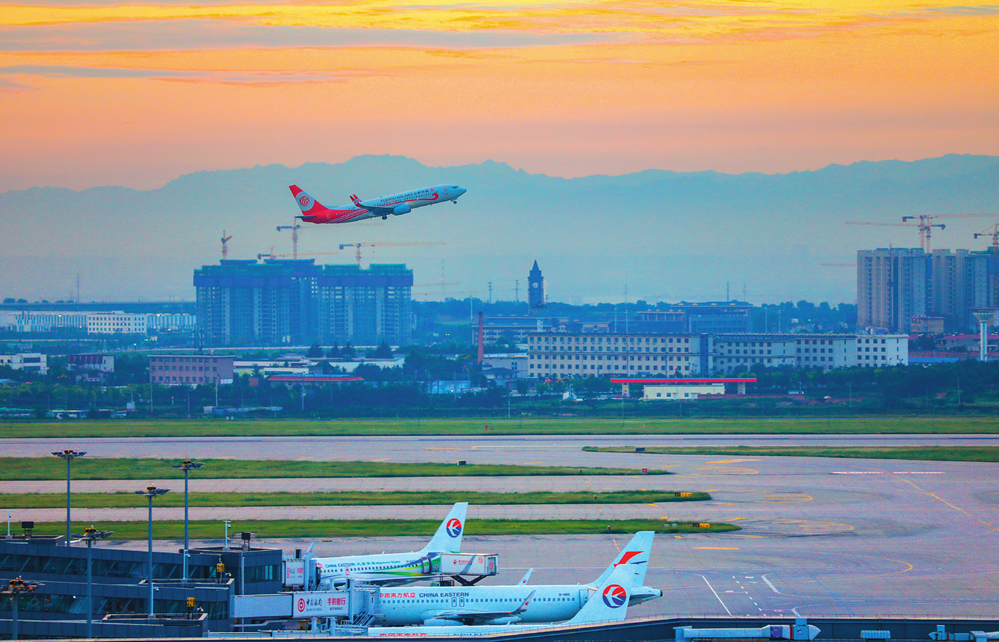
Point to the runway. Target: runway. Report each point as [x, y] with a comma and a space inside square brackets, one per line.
[554, 450]
[820, 536]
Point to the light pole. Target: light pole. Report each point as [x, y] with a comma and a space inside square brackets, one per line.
[149, 493]
[69, 456]
[15, 588]
[187, 466]
[89, 536]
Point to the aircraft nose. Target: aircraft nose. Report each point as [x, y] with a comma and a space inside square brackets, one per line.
[461, 190]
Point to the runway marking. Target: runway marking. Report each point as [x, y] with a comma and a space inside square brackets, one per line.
[992, 528]
[383, 459]
[772, 587]
[857, 472]
[730, 471]
[444, 449]
[735, 519]
[716, 595]
[786, 498]
[731, 461]
[716, 548]
[917, 472]
[754, 536]
[816, 527]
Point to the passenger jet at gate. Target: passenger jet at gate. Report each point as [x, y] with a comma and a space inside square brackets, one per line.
[392, 569]
[396, 204]
[609, 603]
[520, 603]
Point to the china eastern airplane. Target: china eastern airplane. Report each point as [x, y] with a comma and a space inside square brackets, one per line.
[608, 604]
[468, 605]
[396, 204]
[392, 569]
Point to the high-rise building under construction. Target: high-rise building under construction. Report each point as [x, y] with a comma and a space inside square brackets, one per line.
[894, 285]
[279, 302]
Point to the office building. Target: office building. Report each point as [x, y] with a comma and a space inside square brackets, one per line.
[116, 322]
[553, 355]
[301, 303]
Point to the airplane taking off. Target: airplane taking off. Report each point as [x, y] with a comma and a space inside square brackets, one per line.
[392, 569]
[609, 603]
[501, 605]
[396, 204]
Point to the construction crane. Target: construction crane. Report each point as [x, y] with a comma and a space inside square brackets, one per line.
[993, 231]
[358, 246]
[294, 237]
[923, 224]
[225, 253]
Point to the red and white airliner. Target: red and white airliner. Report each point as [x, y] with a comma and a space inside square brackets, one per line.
[396, 204]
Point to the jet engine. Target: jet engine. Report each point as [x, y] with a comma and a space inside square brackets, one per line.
[402, 208]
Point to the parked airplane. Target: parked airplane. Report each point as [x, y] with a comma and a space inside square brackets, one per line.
[396, 204]
[608, 604]
[440, 606]
[391, 569]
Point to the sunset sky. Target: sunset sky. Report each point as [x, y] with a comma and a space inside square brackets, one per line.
[138, 93]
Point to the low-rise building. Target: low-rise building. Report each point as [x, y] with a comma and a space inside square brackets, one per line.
[91, 367]
[190, 369]
[26, 361]
[682, 392]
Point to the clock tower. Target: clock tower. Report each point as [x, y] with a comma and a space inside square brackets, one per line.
[536, 287]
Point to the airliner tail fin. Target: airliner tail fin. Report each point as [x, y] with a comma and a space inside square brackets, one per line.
[447, 539]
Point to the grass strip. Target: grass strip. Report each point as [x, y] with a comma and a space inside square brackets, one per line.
[465, 427]
[37, 468]
[915, 453]
[131, 500]
[324, 529]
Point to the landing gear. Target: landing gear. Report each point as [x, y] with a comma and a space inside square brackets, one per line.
[384, 216]
[455, 202]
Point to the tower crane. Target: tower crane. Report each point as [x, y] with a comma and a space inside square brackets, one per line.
[378, 244]
[225, 251]
[922, 223]
[294, 237]
[993, 231]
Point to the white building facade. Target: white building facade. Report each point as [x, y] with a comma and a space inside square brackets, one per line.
[591, 355]
[27, 361]
[116, 323]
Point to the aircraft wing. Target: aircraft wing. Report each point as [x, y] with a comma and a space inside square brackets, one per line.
[375, 209]
[482, 617]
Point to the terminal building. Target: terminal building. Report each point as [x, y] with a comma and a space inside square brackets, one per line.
[280, 302]
[120, 605]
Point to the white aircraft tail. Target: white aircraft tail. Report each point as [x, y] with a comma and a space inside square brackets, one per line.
[610, 602]
[634, 557]
[447, 539]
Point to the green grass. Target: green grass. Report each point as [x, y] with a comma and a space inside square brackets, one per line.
[385, 528]
[464, 427]
[917, 453]
[130, 500]
[36, 468]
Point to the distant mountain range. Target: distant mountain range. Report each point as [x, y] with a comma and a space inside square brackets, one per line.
[661, 235]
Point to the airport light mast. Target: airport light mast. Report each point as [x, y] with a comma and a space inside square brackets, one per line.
[149, 493]
[69, 456]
